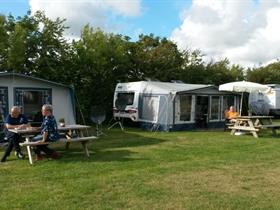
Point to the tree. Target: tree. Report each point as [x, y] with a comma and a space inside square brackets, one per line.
[4, 43]
[16, 51]
[193, 68]
[221, 72]
[101, 60]
[156, 58]
[269, 74]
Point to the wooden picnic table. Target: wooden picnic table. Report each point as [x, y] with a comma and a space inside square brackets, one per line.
[253, 124]
[28, 133]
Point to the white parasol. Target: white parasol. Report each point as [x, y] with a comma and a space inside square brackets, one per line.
[243, 86]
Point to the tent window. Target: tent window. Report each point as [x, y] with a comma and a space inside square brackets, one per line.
[127, 98]
[215, 105]
[31, 100]
[3, 103]
[185, 107]
[149, 109]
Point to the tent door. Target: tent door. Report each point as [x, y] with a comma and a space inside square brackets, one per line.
[201, 111]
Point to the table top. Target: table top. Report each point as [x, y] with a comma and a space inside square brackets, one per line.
[73, 127]
[254, 117]
[32, 130]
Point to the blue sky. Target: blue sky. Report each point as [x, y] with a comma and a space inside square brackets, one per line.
[15, 7]
[246, 32]
[159, 17]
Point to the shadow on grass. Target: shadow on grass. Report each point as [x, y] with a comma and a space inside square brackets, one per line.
[126, 141]
[97, 156]
[115, 146]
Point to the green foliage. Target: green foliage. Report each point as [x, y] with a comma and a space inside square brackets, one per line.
[193, 69]
[16, 52]
[100, 62]
[220, 72]
[269, 74]
[3, 41]
[155, 58]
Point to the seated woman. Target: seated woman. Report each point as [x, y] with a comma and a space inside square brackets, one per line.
[231, 114]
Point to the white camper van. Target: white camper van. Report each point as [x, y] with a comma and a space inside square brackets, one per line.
[269, 100]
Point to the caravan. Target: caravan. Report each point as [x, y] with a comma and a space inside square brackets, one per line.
[265, 103]
[172, 106]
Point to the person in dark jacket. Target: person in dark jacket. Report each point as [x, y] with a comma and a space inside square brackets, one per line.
[15, 120]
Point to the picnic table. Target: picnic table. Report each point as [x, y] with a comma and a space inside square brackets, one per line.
[253, 124]
[74, 133]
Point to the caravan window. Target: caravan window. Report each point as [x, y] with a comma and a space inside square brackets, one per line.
[185, 107]
[128, 98]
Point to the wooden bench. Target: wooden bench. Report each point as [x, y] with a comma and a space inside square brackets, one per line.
[227, 126]
[273, 127]
[244, 128]
[250, 129]
[82, 140]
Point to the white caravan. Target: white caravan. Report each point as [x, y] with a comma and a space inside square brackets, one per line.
[266, 102]
[171, 106]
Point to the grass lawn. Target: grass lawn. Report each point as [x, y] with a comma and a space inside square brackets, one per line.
[147, 170]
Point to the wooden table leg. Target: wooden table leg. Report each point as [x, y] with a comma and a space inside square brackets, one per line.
[251, 125]
[255, 134]
[233, 131]
[27, 139]
[84, 143]
[274, 133]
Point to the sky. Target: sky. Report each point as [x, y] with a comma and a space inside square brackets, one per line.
[246, 32]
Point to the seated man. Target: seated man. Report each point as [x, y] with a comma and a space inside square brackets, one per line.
[231, 114]
[18, 121]
[49, 132]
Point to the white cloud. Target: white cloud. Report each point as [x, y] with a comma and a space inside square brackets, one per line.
[78, 13]
[125, 7]
[245, 31]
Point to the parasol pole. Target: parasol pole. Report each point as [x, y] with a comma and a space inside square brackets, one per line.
[241, 102]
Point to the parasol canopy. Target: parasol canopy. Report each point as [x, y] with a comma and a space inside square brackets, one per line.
[243, 86]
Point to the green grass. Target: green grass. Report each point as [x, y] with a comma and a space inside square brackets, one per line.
[146, 170]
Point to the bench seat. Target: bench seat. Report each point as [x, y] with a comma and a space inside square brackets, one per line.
[82, 140]
[243, 128]
[63, 140]
[273, 126]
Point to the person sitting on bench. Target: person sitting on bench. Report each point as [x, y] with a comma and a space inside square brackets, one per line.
[15, 120]
[231, 114]
[49, 132]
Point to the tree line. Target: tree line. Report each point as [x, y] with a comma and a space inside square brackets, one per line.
[93, 64]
